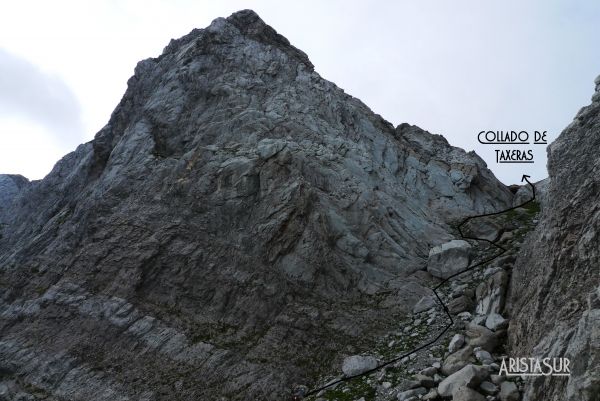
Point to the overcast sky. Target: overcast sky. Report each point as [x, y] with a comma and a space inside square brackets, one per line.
[452, 67]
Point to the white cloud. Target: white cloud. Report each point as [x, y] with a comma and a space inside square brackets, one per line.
[40, 118]
[26, 148]
[33, 95]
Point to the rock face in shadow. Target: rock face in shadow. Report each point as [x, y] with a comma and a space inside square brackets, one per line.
[554, 287]
[10, 186]
[229, 232]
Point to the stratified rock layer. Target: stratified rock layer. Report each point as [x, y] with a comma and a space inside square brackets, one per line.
[229, 232]
[557, 276]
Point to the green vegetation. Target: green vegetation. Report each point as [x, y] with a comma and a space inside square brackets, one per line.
[532, 207]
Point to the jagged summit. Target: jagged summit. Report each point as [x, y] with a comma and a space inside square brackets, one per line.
[237, 213]
[246, 23]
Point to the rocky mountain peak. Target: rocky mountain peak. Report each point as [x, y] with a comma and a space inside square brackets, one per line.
[244, 23]
[237, 212]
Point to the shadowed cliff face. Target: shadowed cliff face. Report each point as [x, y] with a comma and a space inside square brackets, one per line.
[10, 186]
[230, 231]
[555, 295]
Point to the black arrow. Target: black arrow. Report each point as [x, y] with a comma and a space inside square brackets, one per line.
[444, 307]
[525, 178]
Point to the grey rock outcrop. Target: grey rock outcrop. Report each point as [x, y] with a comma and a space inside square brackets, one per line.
[525, 193]
[491, 294]
[237, 213]
[557, 268]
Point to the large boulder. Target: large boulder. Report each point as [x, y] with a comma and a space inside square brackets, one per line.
[479, 336]
[449, 258]
[458, 360]
[469, 376]
[484, 228]
[357, 364]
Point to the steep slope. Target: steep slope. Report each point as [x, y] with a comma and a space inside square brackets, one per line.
[555, 287]
[231, 230]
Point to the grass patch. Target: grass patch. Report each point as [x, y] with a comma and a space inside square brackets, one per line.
[532, 207]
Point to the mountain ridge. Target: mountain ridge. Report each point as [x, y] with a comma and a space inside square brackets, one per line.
[237, 212]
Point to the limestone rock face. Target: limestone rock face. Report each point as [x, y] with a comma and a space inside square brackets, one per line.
[491, 293]
[557, 274]
[227, 233]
